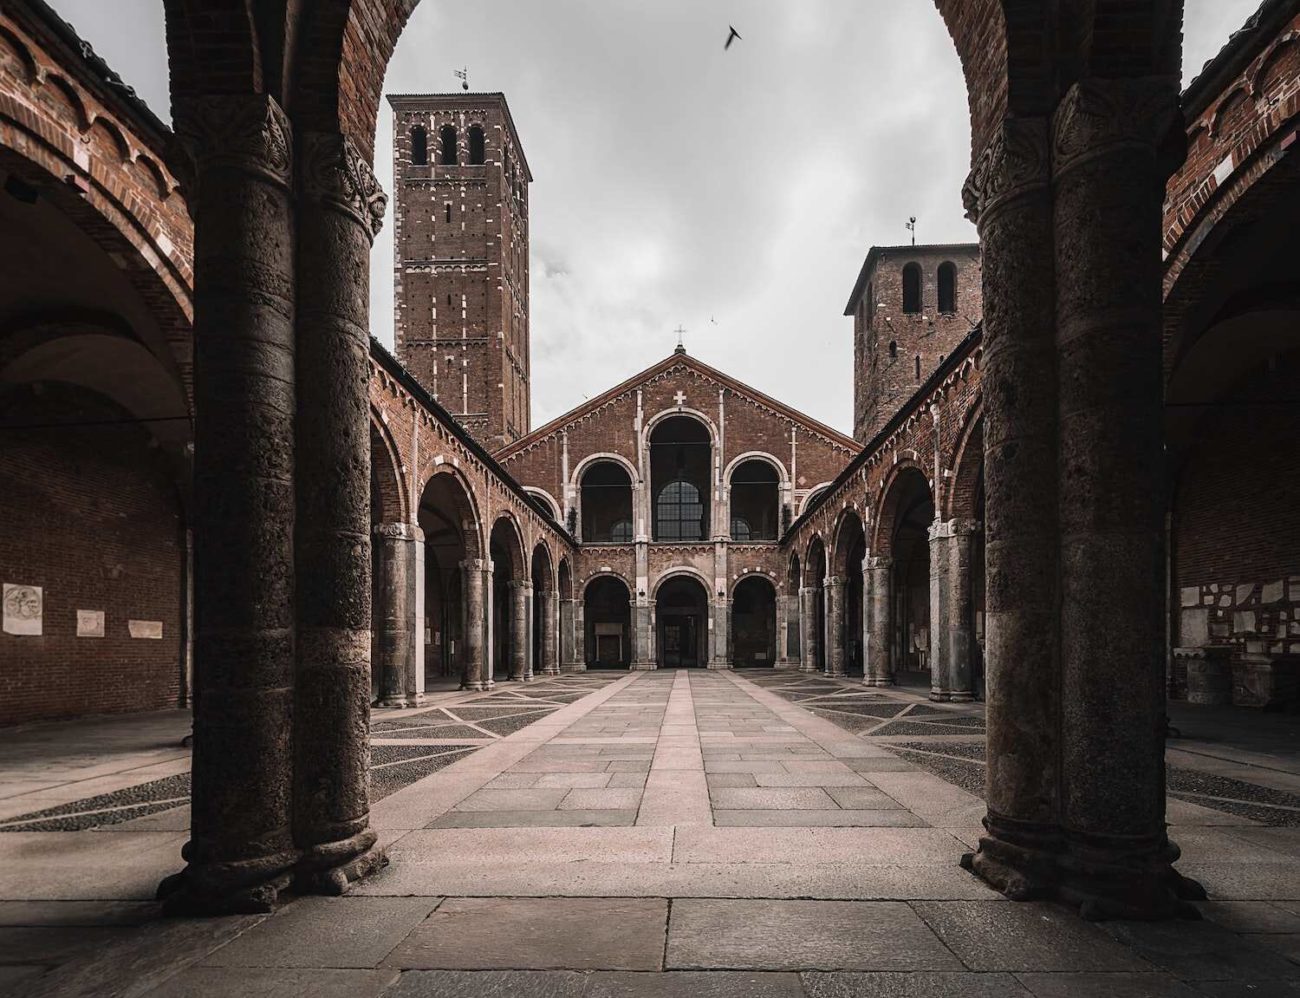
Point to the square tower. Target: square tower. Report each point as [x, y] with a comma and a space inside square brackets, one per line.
[911, 307]
[460, 244]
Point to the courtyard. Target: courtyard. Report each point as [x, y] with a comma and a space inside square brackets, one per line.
[682, 832]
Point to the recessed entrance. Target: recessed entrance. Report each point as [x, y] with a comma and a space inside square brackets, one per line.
[682, 629]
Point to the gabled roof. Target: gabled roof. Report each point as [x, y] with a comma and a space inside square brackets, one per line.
[679, 358]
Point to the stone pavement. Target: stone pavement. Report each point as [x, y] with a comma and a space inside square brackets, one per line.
[664, 833]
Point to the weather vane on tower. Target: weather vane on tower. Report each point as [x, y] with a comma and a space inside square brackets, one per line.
[911, 227]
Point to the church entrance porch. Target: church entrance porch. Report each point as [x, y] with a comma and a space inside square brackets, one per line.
[682, 614]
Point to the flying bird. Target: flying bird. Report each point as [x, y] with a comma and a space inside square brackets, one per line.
[731, 38]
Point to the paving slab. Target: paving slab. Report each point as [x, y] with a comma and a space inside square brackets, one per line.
[489, 984]
[570, 780]
[863, 798]
[533, 819]
[802, 935]
[557, 845]
[719, 780]
[811, 846]
[694, 984]
[992, 936]
[1249, 916]
[265, 982]
[626, 780]
[825, 780]
[912, 985]
[88, 913]
[538, 934]
[626, 798]
[896, 818]
[770, 798]
[1203, 951]
[1149, 985]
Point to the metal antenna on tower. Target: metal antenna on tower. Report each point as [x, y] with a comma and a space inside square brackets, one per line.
[911, 227]
[463, 76]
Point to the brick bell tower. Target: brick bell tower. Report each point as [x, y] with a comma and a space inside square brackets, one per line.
[460, 241]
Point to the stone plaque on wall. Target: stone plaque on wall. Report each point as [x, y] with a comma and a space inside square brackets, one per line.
[24, 609]
[90, 623]
[151, 629]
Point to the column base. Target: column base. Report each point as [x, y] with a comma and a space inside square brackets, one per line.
[403, 701]
[952, 696]
[808, 668]
[785, 665]
[836, 675]
[1020, 859]
[574, 667]
[243, 887]
[332, 868]
[475, 686]
[1127, 877]
[717, 666]
[550, 672]
[880, 681]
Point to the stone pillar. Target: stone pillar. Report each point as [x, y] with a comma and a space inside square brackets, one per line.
[835, 637]
[550, 653]
[786, 607]
[1109, 177]
[808, 635]
[476, 654]
[1008, 193]
[530, 622]
[570, 657]
[938, 541]
[719, 643]
[339, 211]
[878, 574]
[960, 611]
[579, 636]
[643, 624]
[398, 643]
[518, 623]
[241, 848]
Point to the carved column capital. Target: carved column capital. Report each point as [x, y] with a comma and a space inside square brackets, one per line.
[1097, 117]
[246, 132]
[335, 174]
[398, 531]
[1014, 163]
[881, 562]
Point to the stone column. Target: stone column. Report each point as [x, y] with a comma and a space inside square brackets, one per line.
[530, 623]
[960, 611]
[398, 642]
[719, 643]
[642, 618]
[570, 661]
[550, 659]
[475, 648]
[241, 846]
[877, 670]
[1008, 194]
[579, 636]
[808, 629]
[339, 211]
[940, 537]
[783, 608]
[517, 622]
[835, 637]
[1109, 177]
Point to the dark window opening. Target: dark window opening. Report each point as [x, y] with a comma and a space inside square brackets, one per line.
[948, 288]
[447, 155]
[679, 512]
[755, 502]
[681, 469]
[918, 367]
[419, 146]
[893, 349]
[477, 147]
[606, 504]
[912, 289]
[447, 211]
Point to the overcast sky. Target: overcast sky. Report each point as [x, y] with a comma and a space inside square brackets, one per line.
[734, 193]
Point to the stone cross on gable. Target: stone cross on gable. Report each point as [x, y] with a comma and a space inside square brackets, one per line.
[680, 399]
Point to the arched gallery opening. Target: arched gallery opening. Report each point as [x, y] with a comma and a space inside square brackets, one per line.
[793, 585]
[815, 632]
[681, 473]
[753, 623]
[755, 502]
[912, 513]
[564, 641]
[851, 549]
[541, 630]
[442, 515]
[607, 618]
[509, 628]
[606, 497]
[682, 623]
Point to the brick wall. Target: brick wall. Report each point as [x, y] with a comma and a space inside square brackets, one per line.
[92, 516]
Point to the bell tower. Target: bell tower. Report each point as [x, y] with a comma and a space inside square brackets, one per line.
[460, 241]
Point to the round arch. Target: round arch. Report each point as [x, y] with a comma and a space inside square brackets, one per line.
[887, 501]
[543, 567]
[814, 561]
[389, 502]
[967, 467]
[756, 455]
[586, 583]
[607, 621]
[575, 478]
[813, 495]
[463, 501]
[679, 572]
[848, 536]
[753, 634]
[508, 537]
[546, 499]
[686, 411]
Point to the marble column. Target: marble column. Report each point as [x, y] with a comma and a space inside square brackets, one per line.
[1110, 138]
[517, 621]
[530, 639]
[1009, 195]
[719, 643]
[339, 211]
[878, 669]
[787, 607]
[960, 611]
[808, 629]
[938, 537]
[569, 659]
[550, 663]
[642, 637]
[476, 656]
[835, 636]
[398, 645]
[579, 636]
[241, 848]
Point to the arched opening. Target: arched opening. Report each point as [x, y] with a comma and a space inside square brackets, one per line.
[753, 623]
[682, 623]
[606, 497]
[815, 625]
[755, 502]
[565, 641]
[850, 550]
[542, 625]
[509, 645]
[448, 152]
[477, 147]
[793, 584]
[607, 618]
[912, 513]
[419, 146]
[948, 288]
[681, 467]
[444, 516]
[912, 289]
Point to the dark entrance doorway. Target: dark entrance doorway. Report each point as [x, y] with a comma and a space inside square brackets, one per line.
[608, 614]
[682, 613]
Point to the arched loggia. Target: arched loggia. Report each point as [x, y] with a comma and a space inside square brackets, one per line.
[511, 603]
[545, 607]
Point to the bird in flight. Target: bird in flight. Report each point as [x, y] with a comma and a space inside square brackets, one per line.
[731, 38]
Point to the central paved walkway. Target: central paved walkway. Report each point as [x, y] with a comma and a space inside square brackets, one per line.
[669, 833]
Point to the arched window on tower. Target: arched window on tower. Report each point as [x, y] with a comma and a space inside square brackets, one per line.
[912, 289]
[447, 153]
[419, 146]
[477, 147]
[948, 288]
